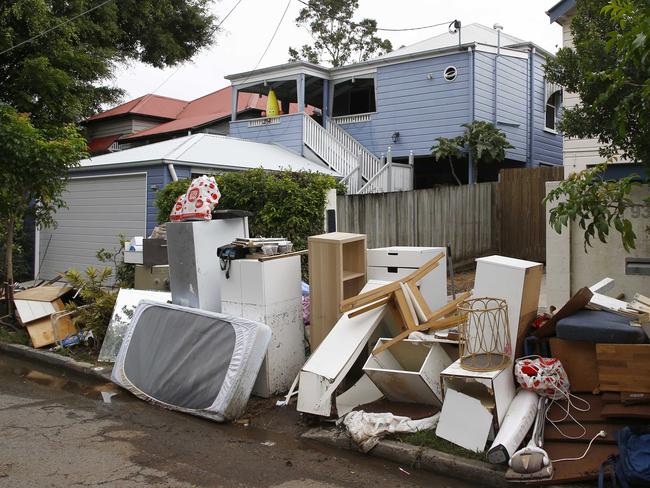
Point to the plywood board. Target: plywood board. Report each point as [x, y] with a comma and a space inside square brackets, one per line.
[579, 361]
[41, 332]
[624, 367]
[42, 293]
[626, 411]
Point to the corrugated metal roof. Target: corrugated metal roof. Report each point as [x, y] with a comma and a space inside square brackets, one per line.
[220, 152]
[470, 33]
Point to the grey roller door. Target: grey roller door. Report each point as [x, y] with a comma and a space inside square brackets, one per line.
[99, 208]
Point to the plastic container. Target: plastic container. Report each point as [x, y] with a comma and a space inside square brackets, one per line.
[270, 249]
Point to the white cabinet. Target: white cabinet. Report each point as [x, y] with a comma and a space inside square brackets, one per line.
[516, 281]
[270, 292]
[393, 263]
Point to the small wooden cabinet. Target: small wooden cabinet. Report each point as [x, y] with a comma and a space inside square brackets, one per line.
[337, 270]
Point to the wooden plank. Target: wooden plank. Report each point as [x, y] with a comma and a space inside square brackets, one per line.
[431, 326]
[371, 296]
[624, 367]
[370, 307]
[579, 362]
[42, 293]
[404, 310]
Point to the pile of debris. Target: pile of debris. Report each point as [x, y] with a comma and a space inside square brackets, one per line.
[489, 371]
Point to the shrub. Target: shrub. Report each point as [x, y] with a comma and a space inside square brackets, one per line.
[166, 198]
[124, 272]
[99, 301]
[286, 204]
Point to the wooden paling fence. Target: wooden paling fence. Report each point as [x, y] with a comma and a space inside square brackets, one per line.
[463, 216]
[505, 217]
[521, 213]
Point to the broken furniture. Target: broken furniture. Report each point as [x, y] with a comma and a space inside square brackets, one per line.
[484, 343]
[464, 421]
[125, 304]
[337, 270]
[408, 307]
[195, 361]
[195, 276]
[269, 292]
[35, 308]
[410, 371]
[393, 263]
[494, 389]
[516, 281]
[329, 364]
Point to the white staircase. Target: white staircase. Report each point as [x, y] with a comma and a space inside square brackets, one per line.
[362, 171]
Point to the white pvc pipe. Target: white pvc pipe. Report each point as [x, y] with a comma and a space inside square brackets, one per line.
[172, 171]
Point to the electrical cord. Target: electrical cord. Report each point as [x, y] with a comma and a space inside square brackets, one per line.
[602, 433]
[415, 28]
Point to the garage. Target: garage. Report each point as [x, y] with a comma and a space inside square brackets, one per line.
[99, 209]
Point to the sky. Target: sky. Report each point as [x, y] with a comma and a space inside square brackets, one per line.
[240, 42]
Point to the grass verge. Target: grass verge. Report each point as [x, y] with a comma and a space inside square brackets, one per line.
[427, 438]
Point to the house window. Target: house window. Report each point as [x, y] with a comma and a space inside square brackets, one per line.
[552, 108]
[450, 73]
[354, 96]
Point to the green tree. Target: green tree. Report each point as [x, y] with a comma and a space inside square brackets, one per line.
[338, 39]
[481, 140]
[64, 74]
[34, 165]
[609, 69]
[449, 149]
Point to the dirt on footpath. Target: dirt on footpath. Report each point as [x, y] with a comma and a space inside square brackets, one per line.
[58, 431]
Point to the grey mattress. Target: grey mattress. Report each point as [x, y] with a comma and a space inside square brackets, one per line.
[191, 360]
[600, 327]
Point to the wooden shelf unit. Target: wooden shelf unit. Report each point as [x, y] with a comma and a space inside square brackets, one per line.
[337, 270]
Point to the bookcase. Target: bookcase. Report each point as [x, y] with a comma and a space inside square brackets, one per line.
[337, 270]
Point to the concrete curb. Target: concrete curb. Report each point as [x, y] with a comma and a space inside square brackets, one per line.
[53, 359]
[425, 458]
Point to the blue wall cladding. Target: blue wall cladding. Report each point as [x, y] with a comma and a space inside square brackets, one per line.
[420, 109]
[511, 90]
[547, 146]
[287, 132]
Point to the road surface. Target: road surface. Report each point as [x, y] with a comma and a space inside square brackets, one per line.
[57, 431]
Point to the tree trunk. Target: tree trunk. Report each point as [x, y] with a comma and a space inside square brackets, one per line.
[9, 261]
[475, 163]
[453, 172]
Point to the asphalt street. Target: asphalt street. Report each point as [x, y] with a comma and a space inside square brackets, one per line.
[57, 430]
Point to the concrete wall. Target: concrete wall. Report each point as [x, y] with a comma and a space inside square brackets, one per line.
[569, 268]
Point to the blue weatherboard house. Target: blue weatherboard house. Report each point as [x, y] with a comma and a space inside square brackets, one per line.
[374, 122]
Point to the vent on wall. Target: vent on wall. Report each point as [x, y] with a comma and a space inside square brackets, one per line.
[637, 266]
[450, 73]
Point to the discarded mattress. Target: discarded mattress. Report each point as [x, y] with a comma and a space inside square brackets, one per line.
[195, 361]
[600, 327]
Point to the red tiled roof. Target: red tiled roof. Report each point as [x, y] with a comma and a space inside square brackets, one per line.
[151, 105]
[187, 115]
[209, 108]
[101, 144]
